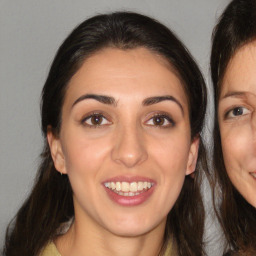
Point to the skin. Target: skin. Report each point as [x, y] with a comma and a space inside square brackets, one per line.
[126, 143]
[237, 120]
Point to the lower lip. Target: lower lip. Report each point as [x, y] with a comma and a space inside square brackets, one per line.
[129, 200]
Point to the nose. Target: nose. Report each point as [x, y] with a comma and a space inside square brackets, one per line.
[129, 147]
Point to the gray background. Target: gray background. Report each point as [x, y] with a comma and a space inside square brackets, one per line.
[30, 33]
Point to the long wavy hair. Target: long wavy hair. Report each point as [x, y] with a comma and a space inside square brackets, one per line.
[50, 202]
[236, 28]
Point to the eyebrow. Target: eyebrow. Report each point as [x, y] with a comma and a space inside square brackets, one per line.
[157, 99]
[235, 94]
[108, 100]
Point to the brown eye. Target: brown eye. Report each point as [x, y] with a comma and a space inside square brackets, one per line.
[158, 120]
[95, 120]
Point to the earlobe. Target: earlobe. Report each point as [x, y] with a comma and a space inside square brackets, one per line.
[193, 154]
[56, 152]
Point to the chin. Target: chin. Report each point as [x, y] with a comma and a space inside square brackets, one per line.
[133, 228]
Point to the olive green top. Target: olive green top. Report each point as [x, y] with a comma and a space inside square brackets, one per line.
[51, 250]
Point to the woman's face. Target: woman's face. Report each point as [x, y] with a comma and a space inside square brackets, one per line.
[125, 141]
[237, 120]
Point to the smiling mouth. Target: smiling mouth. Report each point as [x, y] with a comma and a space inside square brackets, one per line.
[129, 188]
[253, 174]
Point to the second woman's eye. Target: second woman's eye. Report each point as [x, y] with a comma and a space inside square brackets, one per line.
[95, 120]
[161, 121]
[236, 112]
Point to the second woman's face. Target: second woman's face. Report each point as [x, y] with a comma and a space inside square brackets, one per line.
[237, 120]
[125, 141]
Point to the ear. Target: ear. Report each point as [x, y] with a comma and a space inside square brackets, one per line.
[193, 153]
[56, 151]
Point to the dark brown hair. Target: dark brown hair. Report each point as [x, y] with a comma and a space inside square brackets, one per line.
[236, 28]
[50, 202]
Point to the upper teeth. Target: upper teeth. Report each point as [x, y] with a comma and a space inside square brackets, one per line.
[128, 187]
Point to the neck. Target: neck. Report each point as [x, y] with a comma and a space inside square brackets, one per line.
[87, 240]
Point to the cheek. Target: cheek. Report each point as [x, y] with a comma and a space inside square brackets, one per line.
[172, 155]
[82, 153]
[235, 145]
[171, 158]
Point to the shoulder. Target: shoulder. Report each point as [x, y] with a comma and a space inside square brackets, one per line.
[171, 249]
[50, 250]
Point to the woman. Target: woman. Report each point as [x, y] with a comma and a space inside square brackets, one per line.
[122, 111]
[233, 62]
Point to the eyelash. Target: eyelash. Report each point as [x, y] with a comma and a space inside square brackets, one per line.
[96, 114]
[166, 118]
[229, 112]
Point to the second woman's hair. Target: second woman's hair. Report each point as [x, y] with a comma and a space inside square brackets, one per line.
[236, 28]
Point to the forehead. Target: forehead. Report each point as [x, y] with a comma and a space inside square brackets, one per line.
[241, 71]
[126, 72]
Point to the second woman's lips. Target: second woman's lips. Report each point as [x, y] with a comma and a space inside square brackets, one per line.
[253, 174]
